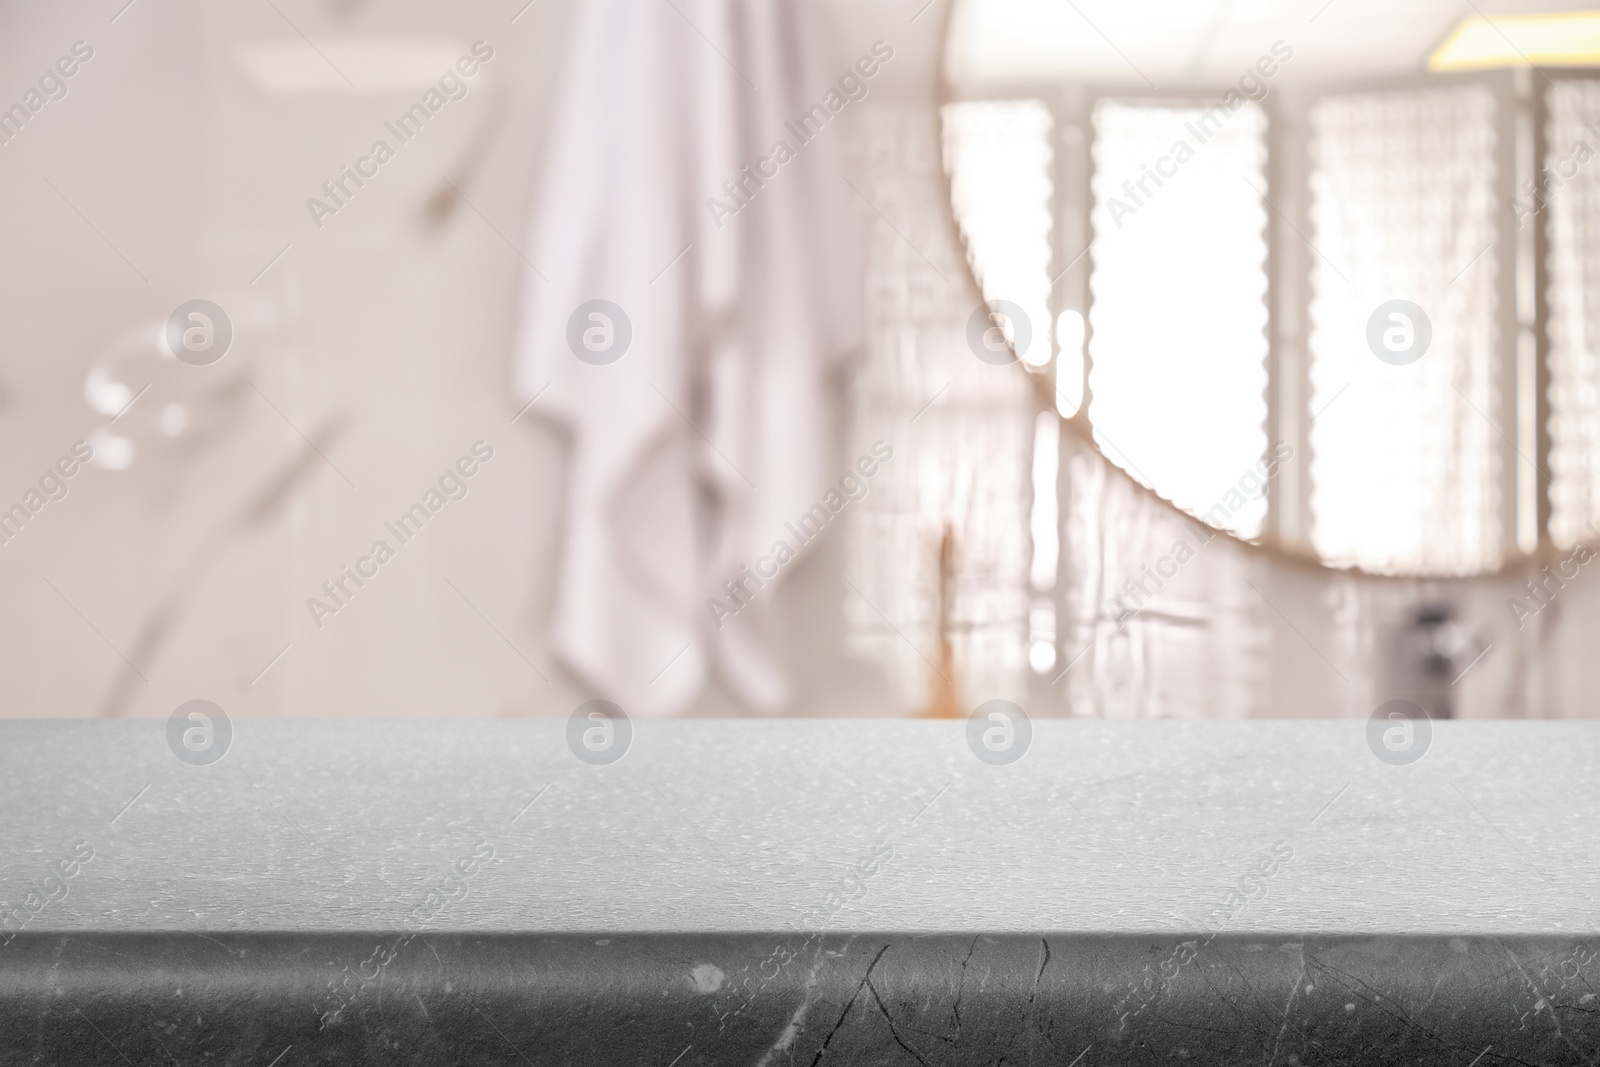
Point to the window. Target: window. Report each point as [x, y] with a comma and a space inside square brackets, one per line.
[1405, 457]
[1000, 191]
[1178, 316]
[1330, 207]
[1573, 199]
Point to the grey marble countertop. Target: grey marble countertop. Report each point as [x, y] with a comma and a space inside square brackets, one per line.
[843, 826]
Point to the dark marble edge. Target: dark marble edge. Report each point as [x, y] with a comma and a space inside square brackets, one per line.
[424, 997]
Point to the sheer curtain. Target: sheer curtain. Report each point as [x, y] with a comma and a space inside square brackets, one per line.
[1406, 459]
[961, 430]
[1574, 227]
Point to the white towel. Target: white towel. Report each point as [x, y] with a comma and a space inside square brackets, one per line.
[690, 452]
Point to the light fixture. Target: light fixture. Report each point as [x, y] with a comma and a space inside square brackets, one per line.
[1567, 39]
[351, 66]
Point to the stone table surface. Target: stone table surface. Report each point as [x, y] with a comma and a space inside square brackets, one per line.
[729, 826]
[799, 891]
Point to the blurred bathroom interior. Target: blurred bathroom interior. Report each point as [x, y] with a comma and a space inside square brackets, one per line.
[1197, 360]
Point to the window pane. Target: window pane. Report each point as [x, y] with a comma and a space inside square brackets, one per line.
[999, 153]
[1574, 295]
[1406, 465]
[1178, 316]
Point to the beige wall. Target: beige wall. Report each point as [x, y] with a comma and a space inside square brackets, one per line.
[400, 332]
[393, 337]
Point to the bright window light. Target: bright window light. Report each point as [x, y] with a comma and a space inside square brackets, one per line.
[1069, 363]
[1042, 636]
[1407, 452]
[1000, 189]
[1573, 200]
[1046, 464]
[1177, 374]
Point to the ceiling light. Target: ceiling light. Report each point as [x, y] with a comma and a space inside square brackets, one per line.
[368, 66]
[1569, 39]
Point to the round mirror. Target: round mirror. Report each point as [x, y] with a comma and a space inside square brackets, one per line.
[1319, 275]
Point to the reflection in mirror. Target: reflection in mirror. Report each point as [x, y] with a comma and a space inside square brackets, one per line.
[1183, 233]
[1320, 281]
[1332, 280]
[1406, 365]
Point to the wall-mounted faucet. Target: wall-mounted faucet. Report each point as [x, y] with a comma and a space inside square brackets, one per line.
[1434, 649]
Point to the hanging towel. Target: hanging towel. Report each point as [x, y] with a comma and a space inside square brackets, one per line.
[740, 296]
